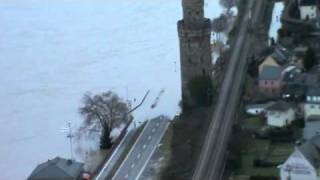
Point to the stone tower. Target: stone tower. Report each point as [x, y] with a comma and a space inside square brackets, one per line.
[195, 53]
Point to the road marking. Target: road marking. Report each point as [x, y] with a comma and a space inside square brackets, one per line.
[139, 155]
[154, 148]
[132, 165]
[112, 156]
[132, 148]
[126, 176]
[149, 137]
[144, 146]
[153, 130]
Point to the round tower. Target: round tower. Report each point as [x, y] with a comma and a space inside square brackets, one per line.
[195, 52]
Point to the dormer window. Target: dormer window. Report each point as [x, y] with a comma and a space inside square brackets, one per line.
[314, 98]
[308, 98]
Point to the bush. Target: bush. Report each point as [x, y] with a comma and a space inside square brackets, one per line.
[263, 163]
[299, 123]
[201, 90]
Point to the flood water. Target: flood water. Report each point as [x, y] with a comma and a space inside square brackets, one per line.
[54, 51]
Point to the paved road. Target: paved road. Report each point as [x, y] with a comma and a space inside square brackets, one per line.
[116, 156]
[140, 154]
[212, 155]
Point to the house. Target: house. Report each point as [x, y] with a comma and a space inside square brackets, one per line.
[304, 79]
[300, 51]
[290, 72]
[58, 169]
[293, 92]
[296, 84]
[312, 127]
[280, 114]
[281, 54]
[256, 109]
[269, 61]
[290, 90]
[308, 9]
[312, 102]
[303, 163]
[270, 80]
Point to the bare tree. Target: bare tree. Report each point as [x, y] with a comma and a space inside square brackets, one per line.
[104, 111]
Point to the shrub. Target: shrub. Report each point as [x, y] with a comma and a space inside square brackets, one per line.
[201, 90]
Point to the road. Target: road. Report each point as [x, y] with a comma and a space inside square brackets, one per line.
[108, 167]
[211, 160]
[142, 150]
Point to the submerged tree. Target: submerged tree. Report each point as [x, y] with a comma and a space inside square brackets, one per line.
[104, 111]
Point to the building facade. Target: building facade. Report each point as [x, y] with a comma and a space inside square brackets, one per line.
[270, 80]
[280, 114]
[195, 54]
[312, 103]
[308, 9]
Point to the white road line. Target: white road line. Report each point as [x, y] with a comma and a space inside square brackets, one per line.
[154, 148]
[113, 154]
[132, 148]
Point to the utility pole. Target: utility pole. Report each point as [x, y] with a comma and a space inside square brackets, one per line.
[68, 130]
[70, 136]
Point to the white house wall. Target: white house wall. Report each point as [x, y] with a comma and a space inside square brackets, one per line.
[311, 109]
[280, 119]
[298, 167]
[306, 11]
[255, 111]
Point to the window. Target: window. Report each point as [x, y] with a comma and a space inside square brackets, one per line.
[314, 98]
[308, 98]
